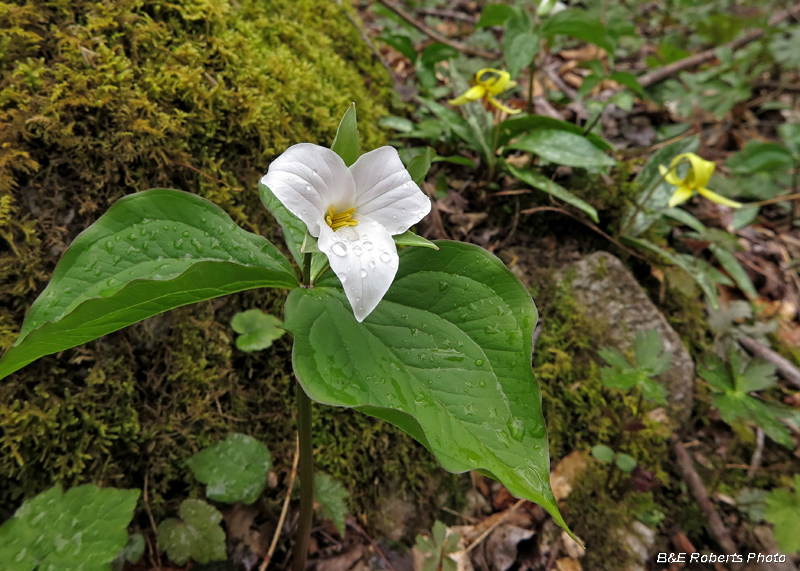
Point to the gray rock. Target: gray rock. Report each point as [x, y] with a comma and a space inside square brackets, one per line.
[606, 290]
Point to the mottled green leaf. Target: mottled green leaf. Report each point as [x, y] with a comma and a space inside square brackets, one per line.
[197, 535]
[234, 470]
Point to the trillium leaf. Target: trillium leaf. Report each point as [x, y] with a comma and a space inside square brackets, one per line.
[84, 528]
[345, 144]
[408, 238]
[419, 165]
[234, 470]
[563, 148]
[151, 252]
[445, 356]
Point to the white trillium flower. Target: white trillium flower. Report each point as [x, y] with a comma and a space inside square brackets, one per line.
[353, 212]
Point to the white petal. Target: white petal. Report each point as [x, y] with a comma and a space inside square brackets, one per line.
[308, 179]
[385, 191]
[364, 258]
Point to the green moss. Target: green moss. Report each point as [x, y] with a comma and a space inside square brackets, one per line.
[100, 100]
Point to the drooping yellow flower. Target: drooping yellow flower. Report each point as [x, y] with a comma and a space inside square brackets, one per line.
[489, 82]
[696, 179]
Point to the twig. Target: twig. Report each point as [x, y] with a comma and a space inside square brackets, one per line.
[695, 485]
[449, 14]
[285, 509]
[588, 224]
[785, 367]
[152, 520]
[663, 73]
[491, 528]
[352, 523]
[755, 462]
[477, 52]
[459, 514]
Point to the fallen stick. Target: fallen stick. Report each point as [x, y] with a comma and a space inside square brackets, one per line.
[436, 36]
[785, 367]
[695, 485]
[663, 73]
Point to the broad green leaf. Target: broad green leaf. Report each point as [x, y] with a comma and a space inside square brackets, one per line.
[653, 191]
[782, 510]
[408, 238]
[705, 275]
[495, 15]
[563, 148]
[234, 470]
[602, 453]
[436, 52]
[151, 252]
[257, 330]
[760, 156]
[630, 81]
[402, 43]
[588, 84]
[731, 265]
[456, 160]
[83, 529]
[345, 144]
[538, 180]
[458, 125]
[521, 124]
[419, 166]
[790, 133]
[197, 535]
[445, 356]
[579, 24]
[625, 462]
[332, 499]
[520, 52]
[400, 124]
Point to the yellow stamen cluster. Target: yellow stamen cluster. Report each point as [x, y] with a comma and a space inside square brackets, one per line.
[336, 221]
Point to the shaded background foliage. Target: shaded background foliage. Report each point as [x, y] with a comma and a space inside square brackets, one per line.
[103, 99]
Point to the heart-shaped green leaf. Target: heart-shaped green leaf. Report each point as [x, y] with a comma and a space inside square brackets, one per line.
[257, 330]
[235, 470]
[197, 535]
[151, 252]
[445, 356]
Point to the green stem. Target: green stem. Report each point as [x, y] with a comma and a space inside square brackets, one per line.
[640, 204]
[306, 473]
[306, 461]
[306, 268]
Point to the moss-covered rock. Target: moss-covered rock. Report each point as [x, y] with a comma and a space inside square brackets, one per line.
[100, 99]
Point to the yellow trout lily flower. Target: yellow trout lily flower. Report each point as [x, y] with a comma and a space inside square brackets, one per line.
[696, 179]
[489, 82]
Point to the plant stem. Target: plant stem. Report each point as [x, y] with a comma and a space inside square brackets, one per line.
[640, 203]
[306, 461]
[306, 268]
[306, 470]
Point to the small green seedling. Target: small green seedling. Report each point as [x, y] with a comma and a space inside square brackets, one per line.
[650, 360]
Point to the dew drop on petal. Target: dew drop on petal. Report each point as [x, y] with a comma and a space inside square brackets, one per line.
[363, 273]
[368, 245]
[421, 214]
[357, 250]
[343, 279]
[386, 258]
[308, 187]
[374, 224]
[394, 217]
[371, 263]
[339, 249]
[315, 171]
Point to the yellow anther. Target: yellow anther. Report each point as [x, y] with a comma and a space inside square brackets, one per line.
[336, 221]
